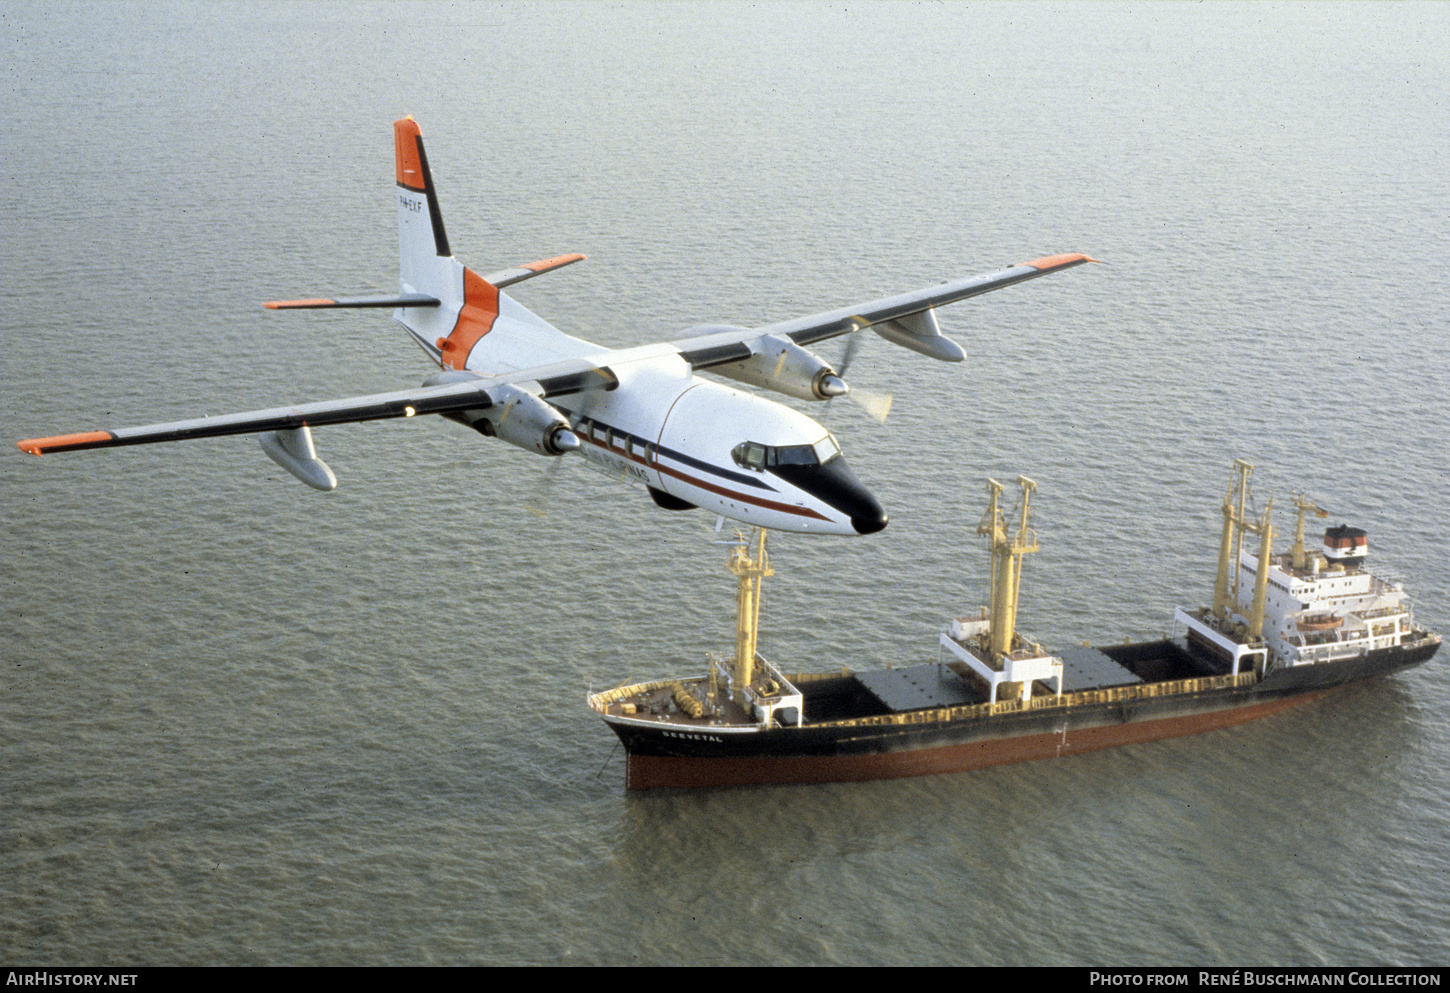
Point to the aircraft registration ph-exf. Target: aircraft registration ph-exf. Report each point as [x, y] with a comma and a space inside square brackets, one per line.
[643, 413]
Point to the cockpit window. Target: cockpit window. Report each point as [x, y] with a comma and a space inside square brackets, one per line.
[750, 454]
[753, 455]
[792, 455]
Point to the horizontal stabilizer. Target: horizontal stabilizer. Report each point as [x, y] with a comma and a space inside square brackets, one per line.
[507, 277]
[389, 300]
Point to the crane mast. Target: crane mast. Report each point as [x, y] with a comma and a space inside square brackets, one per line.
[1007, 552]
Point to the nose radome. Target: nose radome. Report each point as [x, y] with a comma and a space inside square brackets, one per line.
[834, 484]
[869, 524]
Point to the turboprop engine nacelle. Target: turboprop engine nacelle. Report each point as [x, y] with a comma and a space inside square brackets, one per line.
[779, 364]
[516, 416]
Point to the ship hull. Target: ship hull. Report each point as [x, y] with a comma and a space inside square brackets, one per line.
[854, 751]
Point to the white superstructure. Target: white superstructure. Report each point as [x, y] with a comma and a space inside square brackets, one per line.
[1300, 608]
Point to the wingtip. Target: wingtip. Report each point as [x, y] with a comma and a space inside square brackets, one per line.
[557, 262]
[1058, 261]
[59, 443]
[299, 304]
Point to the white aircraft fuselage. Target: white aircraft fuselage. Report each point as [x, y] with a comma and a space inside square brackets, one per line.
[687, 438]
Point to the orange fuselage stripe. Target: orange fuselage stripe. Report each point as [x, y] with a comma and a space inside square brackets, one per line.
[475, 319]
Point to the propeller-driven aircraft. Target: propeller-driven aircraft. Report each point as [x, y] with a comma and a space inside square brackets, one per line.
[643, 413]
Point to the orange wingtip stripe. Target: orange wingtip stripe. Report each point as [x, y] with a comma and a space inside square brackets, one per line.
[39, 446]
[1055, 261]
[546, 264]
[290, 304]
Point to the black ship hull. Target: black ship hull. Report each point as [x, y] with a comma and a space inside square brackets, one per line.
[959, 739]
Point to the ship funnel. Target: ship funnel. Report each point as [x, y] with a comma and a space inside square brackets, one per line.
[1346, 545]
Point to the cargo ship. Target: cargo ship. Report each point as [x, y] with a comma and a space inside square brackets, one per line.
[1283, 629]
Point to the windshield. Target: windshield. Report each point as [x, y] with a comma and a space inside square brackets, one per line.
[753, 455]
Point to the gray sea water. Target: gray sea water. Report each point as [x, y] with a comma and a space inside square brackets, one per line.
[242, 722]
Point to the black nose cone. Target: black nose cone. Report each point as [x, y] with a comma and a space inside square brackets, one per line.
[835, 485]
[869, 524]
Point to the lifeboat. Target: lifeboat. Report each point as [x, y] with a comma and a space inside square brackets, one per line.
[1319, 622]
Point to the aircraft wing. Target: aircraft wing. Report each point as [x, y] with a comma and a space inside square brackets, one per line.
[904, 319]
[450, 397]
[818, 327]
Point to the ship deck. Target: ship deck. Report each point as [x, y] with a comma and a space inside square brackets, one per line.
[879, 693]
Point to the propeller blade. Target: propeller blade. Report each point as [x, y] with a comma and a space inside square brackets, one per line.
[876, 404]
[543, 495]
[848, 354]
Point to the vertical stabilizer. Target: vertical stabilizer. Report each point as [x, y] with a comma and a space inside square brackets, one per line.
[469, 308]
[425, 262]
[420, 221]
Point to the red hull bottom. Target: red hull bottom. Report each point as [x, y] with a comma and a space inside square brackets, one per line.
[649, 771]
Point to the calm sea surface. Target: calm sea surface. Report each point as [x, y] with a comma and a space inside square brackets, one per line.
[242, 722]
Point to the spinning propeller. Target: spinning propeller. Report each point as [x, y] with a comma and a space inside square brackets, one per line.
[875, 403]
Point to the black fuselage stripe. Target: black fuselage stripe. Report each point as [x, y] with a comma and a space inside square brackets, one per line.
[754, 501]
[659, 450]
